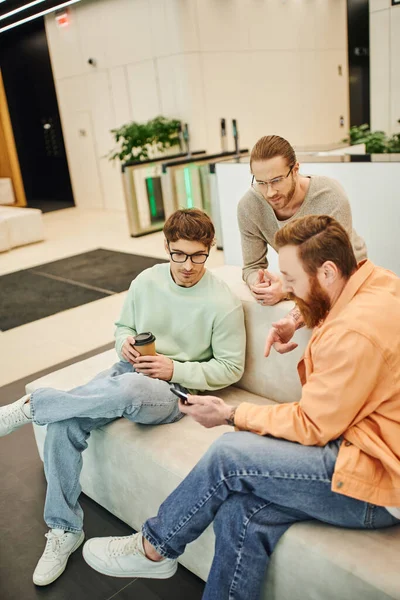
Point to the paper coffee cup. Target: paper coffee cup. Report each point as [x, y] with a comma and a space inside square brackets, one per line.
[145, 344]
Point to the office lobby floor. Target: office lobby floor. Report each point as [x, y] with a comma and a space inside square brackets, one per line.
[32, 350]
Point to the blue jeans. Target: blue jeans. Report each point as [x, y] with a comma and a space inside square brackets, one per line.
[254, 488]
[71, 417]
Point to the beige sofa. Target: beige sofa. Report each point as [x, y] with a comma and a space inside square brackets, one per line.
[20, 226]
[130, 469]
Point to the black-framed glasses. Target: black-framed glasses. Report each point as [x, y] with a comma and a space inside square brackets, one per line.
[261, 186]
[180, 257]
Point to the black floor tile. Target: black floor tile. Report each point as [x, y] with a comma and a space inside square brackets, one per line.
[22, 530]
[182, 586]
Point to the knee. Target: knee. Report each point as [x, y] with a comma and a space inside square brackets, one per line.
[221, 453]
[136, 389]
[68, 431]
[120, 368]
[231, 444]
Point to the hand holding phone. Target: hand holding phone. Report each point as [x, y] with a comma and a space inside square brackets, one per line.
[181, 395]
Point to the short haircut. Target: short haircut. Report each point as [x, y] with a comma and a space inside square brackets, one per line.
[190, 224]
[270, 146]
[319, 238]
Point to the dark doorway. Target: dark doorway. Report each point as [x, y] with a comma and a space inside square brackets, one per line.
[32, 102]
[358, 51]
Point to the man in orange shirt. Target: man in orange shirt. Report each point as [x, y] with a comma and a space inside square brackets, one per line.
[334, 456]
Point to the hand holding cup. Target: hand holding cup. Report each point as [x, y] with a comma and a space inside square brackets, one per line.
[129, 351]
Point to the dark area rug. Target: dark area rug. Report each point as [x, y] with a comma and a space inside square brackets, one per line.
[47, 289]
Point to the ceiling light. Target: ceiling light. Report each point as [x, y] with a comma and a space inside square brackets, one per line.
[40, 14]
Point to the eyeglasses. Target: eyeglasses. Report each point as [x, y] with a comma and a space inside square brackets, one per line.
[181, 257]
[261, 186]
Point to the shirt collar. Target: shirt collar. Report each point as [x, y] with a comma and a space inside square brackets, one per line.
[356, 281]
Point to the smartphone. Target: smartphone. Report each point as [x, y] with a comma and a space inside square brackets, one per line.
[182, 395]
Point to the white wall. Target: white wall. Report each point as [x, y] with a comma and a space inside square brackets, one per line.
[144, 67]
[272, 64]
[372, 189]
[385, 65]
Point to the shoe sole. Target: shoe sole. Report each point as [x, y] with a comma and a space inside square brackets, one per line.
[130, 574]
[78, 543]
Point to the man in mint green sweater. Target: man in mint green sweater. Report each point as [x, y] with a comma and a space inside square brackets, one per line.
[200, 340]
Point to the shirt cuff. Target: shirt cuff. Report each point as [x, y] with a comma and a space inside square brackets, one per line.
[241, 416]
[178, 374]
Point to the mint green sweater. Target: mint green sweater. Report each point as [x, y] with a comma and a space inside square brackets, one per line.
[200, 328]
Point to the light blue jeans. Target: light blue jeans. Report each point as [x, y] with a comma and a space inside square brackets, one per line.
[254, 488]
[71, 417]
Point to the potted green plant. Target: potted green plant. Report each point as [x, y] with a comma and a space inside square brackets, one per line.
[141, 141]
[376, 142]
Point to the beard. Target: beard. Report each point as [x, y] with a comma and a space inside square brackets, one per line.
[292, 190]
[286, 198]
[317, 306]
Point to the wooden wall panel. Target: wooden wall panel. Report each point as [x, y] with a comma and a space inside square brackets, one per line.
[9, 164]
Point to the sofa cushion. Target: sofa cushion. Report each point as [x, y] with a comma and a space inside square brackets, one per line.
[315, 561]
[6, 191]
[275, 377]
[4, 238]
[25, 225]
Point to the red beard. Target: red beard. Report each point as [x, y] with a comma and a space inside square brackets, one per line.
[317, 306]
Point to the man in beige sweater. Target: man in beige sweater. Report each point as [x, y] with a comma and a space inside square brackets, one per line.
[278, 194]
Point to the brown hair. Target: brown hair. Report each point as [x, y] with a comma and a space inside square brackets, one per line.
[270, 146]
[190, 224]
[319, 238]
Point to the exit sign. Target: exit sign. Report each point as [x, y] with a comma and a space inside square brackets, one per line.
[62, 17]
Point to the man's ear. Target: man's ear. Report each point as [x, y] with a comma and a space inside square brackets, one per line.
[330, 272]
[166, 246]
[296, 168]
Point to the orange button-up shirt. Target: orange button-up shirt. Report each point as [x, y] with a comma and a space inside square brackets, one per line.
[350, 374]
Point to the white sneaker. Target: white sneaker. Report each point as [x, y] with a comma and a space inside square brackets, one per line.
[60, 545]
[12, 416]
[125, 557]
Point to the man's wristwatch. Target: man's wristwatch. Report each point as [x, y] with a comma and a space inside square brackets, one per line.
[231, 419]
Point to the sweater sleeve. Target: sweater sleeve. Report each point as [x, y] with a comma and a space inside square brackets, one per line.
[126, 322]
[346, 370]
[335, 203]
[339, 207]
[228, 342]
[254, 244]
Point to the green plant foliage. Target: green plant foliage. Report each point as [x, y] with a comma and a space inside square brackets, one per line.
[376, 142]
[357, 135]
[394, 143]
[139, 141]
